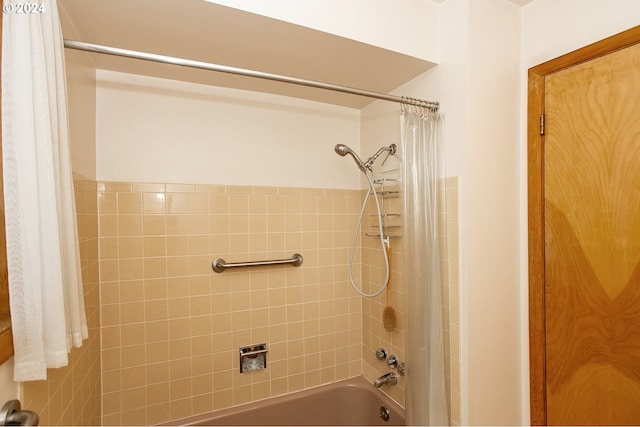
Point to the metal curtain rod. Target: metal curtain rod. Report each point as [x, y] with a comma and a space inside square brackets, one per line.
[109, 50]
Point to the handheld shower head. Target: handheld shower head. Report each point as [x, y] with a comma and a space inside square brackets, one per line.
[343, 150]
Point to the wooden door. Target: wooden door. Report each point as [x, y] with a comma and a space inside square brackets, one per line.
[592, 241]
[588, 313]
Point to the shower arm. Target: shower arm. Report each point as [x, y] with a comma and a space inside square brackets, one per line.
[369, 163]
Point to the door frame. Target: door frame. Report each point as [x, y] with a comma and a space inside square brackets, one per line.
[535, 184]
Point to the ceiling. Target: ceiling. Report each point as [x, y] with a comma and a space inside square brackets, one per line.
[203, 31]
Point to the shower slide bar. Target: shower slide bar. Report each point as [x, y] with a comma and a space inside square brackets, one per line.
[109, 50]
[219, 265]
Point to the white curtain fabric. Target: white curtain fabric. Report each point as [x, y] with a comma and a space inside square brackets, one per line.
[422, 173]
[45, 282]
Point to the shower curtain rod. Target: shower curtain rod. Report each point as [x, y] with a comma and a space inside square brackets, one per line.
[109, 50]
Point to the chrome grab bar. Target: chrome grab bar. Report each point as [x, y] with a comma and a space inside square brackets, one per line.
[12, 415]
[219, 265]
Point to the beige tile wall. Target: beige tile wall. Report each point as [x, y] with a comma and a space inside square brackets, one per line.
[374, 334]
[450, 268]
[71, 395]
[171, 328]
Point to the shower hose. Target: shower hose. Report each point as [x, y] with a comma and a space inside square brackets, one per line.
[371, 190]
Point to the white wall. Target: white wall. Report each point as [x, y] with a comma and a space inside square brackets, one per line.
[477, 84]
[493, 214]
[551, 28]
[81, 103]
[156, 130]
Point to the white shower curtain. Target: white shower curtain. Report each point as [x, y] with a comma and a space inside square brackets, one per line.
[43, 258]
[422, 173]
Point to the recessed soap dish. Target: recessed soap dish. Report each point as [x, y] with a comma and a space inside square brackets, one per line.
[253, 357]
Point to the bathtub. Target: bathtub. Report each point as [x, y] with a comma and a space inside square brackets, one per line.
[352, 402]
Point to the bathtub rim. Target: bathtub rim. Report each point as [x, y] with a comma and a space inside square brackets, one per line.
[358, 381]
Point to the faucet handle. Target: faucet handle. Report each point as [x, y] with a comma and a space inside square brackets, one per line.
[392, 361]
[401, 368]
[381, 354]
[12, 414]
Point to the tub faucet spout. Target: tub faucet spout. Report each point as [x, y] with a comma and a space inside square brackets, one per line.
[389, 378]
